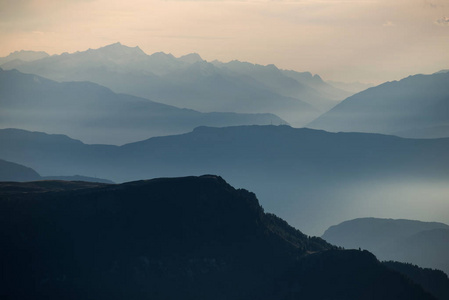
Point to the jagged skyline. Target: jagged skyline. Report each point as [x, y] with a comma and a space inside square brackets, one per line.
[367, 41]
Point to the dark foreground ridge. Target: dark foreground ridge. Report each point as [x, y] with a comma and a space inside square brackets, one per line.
[179, 238]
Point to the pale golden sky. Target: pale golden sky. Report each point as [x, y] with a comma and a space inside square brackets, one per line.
[346, 40]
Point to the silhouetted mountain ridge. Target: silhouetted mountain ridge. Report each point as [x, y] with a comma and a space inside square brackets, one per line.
[300, 168]
[189, 238]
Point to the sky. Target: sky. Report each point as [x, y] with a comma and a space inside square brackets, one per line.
[369, 41]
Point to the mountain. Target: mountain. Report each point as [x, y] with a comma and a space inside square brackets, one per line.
[204, 87]
[78, 178]
[178, 238]
[416, 107]
[304, 86]
[310, 178]
[423, 243]
[191, 82]
[10, 171]
[327, 91]
[19, 57]
[95, 114]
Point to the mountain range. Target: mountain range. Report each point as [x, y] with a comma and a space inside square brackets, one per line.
[21, 56]
[422, 243]
[415, 107]
[95, 114]
[68, 236]
[179, 238]
[191, 82]
[306, 176]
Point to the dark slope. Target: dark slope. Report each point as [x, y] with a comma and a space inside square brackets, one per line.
[10, 171]
[423, 243]
[435, 282]
[308, 177]
[95, 114]
[417, 106]
[181, 238]
[348, 274]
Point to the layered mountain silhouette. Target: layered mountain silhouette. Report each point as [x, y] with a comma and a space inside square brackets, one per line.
[10, 171]
[179, 238]
[417, 107]
[308, 177]
[190, 82]
[95, 114]
[423, 243]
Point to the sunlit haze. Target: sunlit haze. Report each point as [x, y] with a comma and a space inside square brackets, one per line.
[343, 40]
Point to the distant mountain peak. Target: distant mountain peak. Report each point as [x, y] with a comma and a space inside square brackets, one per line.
[191, 58]
[272, 66]
[118, 48]
[24, 55]
[162, 55]
[317, 77]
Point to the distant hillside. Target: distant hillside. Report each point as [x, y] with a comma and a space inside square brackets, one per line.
[10, 171]
[180, 238]
[193, 83]
[95, 114]
[423, 243]
[311, 178]
[416, 107]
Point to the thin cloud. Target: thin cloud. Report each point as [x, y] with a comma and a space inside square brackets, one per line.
[443, 21]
